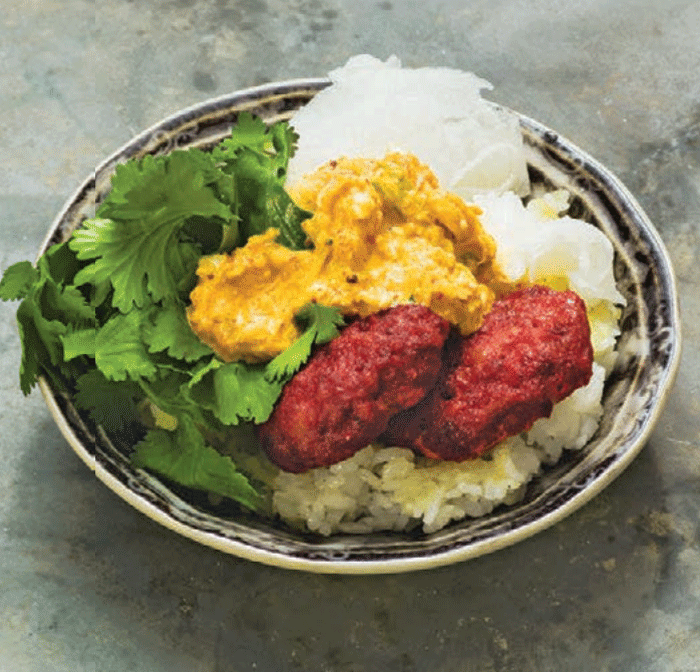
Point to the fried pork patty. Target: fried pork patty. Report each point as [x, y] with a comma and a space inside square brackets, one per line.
[350, 388]
[533, 350]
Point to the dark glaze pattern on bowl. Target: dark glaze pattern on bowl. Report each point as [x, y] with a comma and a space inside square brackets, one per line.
[635, 392]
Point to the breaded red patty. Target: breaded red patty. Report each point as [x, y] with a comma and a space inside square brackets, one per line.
[350, 388]
[533, 350]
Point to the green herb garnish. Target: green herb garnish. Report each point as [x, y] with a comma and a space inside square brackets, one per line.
[104, 314]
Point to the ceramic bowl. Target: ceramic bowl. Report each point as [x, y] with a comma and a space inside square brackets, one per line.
[649, 350]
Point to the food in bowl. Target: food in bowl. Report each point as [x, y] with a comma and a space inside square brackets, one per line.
[116, 328]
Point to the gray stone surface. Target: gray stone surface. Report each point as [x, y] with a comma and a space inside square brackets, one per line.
[89, 585]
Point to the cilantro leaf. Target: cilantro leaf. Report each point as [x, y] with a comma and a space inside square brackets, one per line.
[41, 343]
[60, 263]
[324, 320]
[266, 203]
[135, 239]
[276, 143]
[170, 392]
[110, 404]
[235, 392]
[288, 362]
[284, 140]
[17, 281]
[244, 392]
[184, 457]
[250, 132]
[122, 254]
[77, 342]
[119, 351]
[48, 311]
[322, 324]
[167, 329]
[283, 214]
[66, 304]
[258, 156]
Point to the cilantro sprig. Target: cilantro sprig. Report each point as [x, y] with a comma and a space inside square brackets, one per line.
[258, 156]
[320, 326]
[136, 240]
[184, 456]
[104, 314]
[51, 308]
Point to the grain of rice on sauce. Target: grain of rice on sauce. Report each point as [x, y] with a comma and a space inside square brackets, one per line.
[476, 152]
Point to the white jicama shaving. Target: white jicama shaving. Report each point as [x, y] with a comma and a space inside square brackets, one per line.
[535, 247]
[437, 114]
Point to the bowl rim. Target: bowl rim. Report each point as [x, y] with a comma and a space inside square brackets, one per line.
[452, 555]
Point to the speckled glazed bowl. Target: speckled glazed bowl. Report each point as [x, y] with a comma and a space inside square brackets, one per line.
[635, 393]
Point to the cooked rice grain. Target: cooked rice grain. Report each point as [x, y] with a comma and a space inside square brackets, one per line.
[393, 489]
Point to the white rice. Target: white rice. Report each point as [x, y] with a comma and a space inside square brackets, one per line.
[476, 151]
[392, 489]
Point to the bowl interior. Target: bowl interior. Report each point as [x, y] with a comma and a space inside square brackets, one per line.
[635, 391]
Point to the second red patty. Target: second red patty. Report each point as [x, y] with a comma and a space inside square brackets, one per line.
[533, 350]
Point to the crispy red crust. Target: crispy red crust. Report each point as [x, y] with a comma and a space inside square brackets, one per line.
[533, 350]
[344, 397]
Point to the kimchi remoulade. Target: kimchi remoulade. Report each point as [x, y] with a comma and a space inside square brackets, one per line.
[382, 233]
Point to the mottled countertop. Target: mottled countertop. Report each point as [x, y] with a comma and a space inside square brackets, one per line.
[87, 584]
